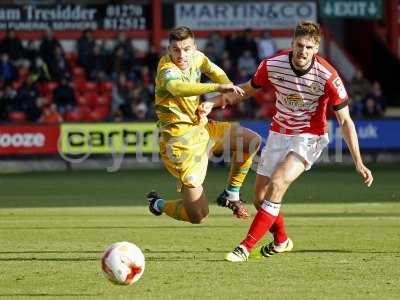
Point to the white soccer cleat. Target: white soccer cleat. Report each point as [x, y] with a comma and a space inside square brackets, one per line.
[239, 254]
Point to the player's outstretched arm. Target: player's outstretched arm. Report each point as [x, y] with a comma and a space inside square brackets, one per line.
[229, 98]
[350, 136]
[179, 88]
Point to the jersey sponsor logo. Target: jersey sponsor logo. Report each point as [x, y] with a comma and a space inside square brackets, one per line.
[338, 84]
[294, 100]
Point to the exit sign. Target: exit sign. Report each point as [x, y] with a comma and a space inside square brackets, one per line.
[363, 9]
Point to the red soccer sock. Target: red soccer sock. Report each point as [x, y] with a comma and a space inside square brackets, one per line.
[278, 230]
[263, 221]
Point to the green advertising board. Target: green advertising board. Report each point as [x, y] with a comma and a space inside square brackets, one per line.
[357, 9]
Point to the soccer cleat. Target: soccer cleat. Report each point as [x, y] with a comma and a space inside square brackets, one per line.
[239, 254]
[152, 197]
[270, 249]
[239, 210]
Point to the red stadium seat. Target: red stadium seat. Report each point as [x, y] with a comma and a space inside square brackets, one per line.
[91, 86]
[17, 117]
[103, 100]
[82, 100]
[99, 114]
[79, 85]
[106, 87]
[78, 73]
[47, 88]
[72, 58]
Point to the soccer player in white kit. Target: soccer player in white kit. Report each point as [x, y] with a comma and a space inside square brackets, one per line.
[305, 85]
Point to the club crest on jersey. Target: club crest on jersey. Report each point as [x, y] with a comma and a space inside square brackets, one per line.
[315, 88]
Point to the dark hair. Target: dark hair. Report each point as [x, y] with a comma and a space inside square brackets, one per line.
[309, 29]
[180, 34]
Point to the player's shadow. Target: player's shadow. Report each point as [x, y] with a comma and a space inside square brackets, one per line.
[307, 251]
[49, 259]
[49, 295]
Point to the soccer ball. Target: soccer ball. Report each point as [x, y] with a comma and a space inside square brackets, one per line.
[123, 263]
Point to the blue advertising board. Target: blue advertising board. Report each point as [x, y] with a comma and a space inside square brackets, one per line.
[382, 134]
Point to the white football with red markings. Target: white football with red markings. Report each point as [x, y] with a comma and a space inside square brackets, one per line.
[123, 263]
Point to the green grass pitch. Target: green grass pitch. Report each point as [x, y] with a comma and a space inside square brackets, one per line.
[55, 225]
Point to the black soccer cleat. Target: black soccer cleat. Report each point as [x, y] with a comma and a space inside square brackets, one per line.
[239, 210]
[152, 197]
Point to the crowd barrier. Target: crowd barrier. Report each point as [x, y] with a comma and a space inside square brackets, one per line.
[106, 138]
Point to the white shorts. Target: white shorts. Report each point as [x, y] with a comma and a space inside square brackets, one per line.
[307, 146]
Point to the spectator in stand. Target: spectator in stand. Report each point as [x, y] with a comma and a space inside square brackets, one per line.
[377, 94]
[247, 62]
[64, 96]
[125, 43]
[217, 42]
[359, 87]
[120, 96]
[96, 63]
[229, 68]
[50, 115]
[120, 63]
[9, 95]
[3, 103]
[146, 78]
[266, 45]
[28, 100]
[12, 45]
[84, 47]
[139, 110]
[242, 75]
[249, 44]
[31, 52]
[371, 109]
[142, 93]
[48, 47]
[8, 73]
[210, 52]
[39, 72]
[151, 58]
[234, 45]
[59, 66]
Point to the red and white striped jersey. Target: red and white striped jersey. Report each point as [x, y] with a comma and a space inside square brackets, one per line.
[302, 98]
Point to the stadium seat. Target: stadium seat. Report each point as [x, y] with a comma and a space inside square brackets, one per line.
[72, 58]
[92, 98]
[17, 116]
[99, 114]
[102, 100]
[82, 100]
[106, 87]
[78, 73]
[47, 88]
[91, 86]
[79, 85]
[46, 100]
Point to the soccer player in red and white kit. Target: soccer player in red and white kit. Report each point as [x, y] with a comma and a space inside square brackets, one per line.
[305, 85]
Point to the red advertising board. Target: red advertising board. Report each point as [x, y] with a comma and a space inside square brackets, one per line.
[29, 139]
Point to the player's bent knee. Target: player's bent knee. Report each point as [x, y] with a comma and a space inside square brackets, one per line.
[278, 184]
[198, 218]
[253, 141]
